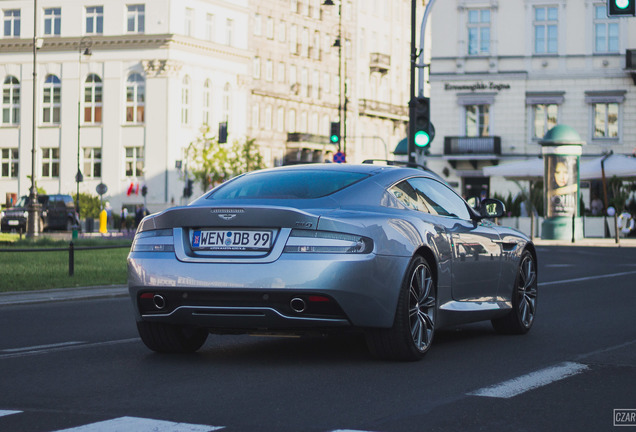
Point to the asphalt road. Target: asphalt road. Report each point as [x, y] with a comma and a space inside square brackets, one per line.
[80, 366]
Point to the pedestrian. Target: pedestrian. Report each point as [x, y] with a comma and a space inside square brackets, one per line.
[124, 215]
[139, 215]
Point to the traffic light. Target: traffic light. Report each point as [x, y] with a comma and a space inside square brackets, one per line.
[619, 8]
[423, 131]
[187, 190]
[222, 132]
[334, 137]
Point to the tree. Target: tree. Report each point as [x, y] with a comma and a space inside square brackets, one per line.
[211, 163]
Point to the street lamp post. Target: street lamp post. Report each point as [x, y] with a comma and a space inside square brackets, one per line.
[33, 207]
[84, 49]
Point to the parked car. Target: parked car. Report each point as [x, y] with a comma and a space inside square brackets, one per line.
[392, 251]
[58, 212]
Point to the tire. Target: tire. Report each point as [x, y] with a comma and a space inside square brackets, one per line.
[413, 328]
[169, 338]
[524, 299]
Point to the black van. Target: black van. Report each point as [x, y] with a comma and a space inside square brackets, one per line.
[58, 212]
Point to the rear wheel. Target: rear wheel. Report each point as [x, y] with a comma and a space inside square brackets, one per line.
[414, 326]
[524, 299]
[170, 338]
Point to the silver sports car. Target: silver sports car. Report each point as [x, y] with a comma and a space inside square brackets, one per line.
[388, 250]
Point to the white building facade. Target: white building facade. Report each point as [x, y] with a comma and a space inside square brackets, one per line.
[159, 71]
[504, 72]
[155, 72]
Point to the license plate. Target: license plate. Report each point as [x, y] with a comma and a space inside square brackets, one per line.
[232, 240]
[14, 222]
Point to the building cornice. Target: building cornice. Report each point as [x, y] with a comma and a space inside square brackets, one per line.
[125, 42]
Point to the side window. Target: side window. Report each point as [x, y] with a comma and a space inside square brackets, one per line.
[439, 198]
[406, 195]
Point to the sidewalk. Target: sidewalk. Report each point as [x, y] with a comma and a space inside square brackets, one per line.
[65, 294]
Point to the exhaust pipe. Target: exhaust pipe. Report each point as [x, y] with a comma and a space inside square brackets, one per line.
[298, 305]
[159, 301]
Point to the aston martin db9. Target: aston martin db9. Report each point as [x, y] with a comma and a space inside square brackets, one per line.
[391, 251]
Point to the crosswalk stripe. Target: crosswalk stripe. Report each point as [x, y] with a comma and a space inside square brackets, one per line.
[141, 425]
[8, 412]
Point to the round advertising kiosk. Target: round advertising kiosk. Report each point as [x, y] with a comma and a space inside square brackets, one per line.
[562, 148]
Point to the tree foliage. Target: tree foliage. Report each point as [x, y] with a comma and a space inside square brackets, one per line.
[210, 163]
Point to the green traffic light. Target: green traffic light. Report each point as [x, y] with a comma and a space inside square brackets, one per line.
[622, 4]
[334, 139]
[421, 139]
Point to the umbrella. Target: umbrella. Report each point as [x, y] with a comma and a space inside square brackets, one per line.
[615, 165]
[530, 169]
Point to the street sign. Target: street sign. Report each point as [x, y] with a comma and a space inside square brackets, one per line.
[339, 157]
[101, 189]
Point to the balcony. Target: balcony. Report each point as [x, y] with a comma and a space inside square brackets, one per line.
[373, 108]
[380, 63]
[466, 146]
[472, 149]
[308, 148]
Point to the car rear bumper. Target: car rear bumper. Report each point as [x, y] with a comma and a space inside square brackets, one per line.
[351, 290]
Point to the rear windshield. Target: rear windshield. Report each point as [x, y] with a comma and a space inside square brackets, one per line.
[296, 184]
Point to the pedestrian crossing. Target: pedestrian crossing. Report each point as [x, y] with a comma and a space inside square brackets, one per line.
[139, 424]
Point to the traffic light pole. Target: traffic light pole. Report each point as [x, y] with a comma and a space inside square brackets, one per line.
[410, 143]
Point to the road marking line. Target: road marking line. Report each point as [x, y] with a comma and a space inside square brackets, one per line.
[587, 278]
[531, 381]
[141, 425]
[8, 412]
[39, 347]
[66, 347]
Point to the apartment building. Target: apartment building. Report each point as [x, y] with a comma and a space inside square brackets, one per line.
[504, 72]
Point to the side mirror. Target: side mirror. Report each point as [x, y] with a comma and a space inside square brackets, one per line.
[491, 208]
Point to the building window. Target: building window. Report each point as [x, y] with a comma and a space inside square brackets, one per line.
[605, 32]
[9, 163]
[51, 100]
[52, 21]
[256, 68]
[92, 162]
[134, 161]
[11, 101]
[51, 162]
[258, 25]
[226, 102]
[268, 117]
[189, 16]
[185, 101]
[136, 19]
[95, 20]
[269, 29]
[269, 70]
[209, 27]
[281, 72]
[546, 30]
[606, 120]
[545, 118]
[93, 99]
[282, 31]
[229, 31]
[207, 101]
[256, 116]
[135, 99]
[280, 120]
[291, 123]
[478, 31]
[293, 39]
[477, 120]
[12, 22]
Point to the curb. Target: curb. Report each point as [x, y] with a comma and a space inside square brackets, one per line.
[62, 294]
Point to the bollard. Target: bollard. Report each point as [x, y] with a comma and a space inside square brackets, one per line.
[71, 259]
[103, 221]
[617, 237]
